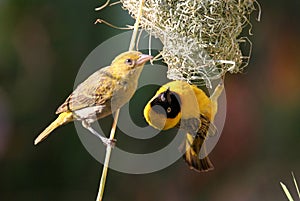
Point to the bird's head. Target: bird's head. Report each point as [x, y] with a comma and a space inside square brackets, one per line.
[164, 110]
[131, 60]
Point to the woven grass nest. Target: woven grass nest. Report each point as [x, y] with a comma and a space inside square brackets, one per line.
[201, 38]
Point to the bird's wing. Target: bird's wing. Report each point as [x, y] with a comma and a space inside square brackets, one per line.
[207, 128]
[96, 90]
[194, 143]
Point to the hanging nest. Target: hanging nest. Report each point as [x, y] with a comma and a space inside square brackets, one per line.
[201, 38]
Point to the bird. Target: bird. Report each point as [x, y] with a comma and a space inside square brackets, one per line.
[182, 105]
[101, 94]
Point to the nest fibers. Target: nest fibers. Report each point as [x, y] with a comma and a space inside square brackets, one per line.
[201, 38]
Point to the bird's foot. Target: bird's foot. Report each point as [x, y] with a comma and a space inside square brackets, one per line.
[109, 142]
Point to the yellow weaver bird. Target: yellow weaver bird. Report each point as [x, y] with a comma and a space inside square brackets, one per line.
[179, 104]
[100, 94]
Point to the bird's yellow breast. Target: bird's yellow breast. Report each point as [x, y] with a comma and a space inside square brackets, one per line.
[193, 102]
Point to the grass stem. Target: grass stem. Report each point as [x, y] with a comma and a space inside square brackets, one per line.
[116, 116]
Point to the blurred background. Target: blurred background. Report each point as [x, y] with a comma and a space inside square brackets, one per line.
[43, 44]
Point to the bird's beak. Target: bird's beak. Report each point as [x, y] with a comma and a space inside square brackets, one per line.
[143, 59]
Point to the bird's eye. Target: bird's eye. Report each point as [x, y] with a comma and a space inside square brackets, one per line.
[129, 62]
[169, 109]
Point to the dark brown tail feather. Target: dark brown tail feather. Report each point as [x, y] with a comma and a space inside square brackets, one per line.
[191, 155]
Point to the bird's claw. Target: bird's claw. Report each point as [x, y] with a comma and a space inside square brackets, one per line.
[109, 142]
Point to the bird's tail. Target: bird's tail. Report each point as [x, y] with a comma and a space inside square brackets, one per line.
[61, 119]
[191, 156]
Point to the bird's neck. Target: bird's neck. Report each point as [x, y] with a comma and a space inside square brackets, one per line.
[132, 74]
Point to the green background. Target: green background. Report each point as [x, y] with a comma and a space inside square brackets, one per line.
[43, 44]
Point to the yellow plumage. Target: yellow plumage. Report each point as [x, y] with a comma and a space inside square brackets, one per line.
[179, 104]
[100, 94]
[63, 118]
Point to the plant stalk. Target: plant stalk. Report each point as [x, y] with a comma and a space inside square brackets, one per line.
[116, 116]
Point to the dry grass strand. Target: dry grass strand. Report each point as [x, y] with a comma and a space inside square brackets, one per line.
[198, 35]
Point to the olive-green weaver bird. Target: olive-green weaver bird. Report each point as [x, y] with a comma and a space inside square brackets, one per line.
[101, 94]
